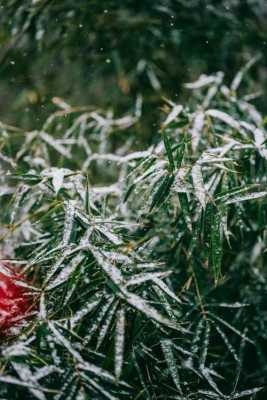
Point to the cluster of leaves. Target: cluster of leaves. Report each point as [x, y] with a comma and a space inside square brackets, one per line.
[146, 267]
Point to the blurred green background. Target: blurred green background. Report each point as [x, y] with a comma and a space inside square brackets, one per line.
[105, 53]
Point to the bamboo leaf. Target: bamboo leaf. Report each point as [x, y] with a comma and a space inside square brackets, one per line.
[162, 191]
[198, 183]
[119, 342]
[169, 357]
[168, 148]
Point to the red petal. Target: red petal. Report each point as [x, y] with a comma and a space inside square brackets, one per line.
[14, 300]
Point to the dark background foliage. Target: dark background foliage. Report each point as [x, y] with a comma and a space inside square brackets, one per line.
[104, 53]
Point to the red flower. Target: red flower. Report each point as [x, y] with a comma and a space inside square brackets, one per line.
[15, 302]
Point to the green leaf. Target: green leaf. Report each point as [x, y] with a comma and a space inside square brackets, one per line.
[162, 191]
[180, 153]
[168, 148]
[216, 244]
[172, 367]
